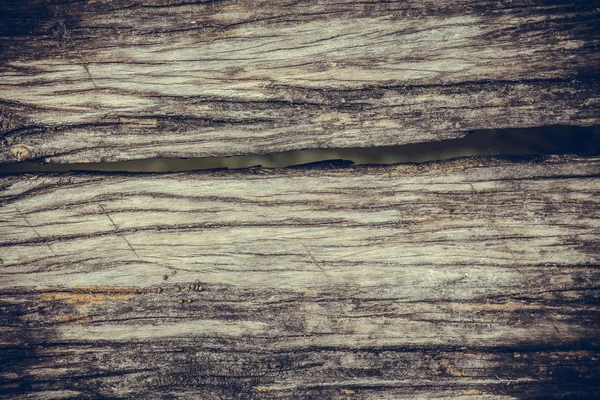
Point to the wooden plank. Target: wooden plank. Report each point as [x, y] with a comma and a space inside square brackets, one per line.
[128, 79]
[473, 277]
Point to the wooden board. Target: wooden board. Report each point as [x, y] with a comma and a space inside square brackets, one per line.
[473, 278]
[110, 80]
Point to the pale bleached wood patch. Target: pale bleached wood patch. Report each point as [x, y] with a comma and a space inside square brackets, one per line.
[473, 277]
[119, 80]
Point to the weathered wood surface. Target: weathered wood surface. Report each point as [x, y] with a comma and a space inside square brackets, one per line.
[114, 80]
[474, 277]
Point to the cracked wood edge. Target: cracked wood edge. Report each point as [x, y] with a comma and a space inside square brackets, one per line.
[119, 80]
[474, 277]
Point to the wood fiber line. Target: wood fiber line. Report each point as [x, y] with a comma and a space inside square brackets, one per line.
[475, 277]
[117, 80]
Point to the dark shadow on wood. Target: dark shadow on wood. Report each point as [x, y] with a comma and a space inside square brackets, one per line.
[527, 141]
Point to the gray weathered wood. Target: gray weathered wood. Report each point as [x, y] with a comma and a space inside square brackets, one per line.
[115, 80]
[473, 277]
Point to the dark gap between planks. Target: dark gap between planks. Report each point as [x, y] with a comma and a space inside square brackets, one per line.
[510, 142]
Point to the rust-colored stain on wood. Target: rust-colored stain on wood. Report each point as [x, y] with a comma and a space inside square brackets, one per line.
[84, 297]
[73, 319]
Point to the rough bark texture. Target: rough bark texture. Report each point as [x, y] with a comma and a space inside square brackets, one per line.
[114, 80]
[474, 277]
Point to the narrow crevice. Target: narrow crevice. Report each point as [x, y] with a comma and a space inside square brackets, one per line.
[494, 142]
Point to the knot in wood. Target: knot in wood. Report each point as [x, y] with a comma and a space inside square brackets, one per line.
[20, 152]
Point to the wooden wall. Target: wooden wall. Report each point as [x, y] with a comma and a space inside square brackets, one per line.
[474, 277]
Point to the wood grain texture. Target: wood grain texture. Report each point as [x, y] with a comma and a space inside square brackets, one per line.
[473, 278]
[114, 80]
